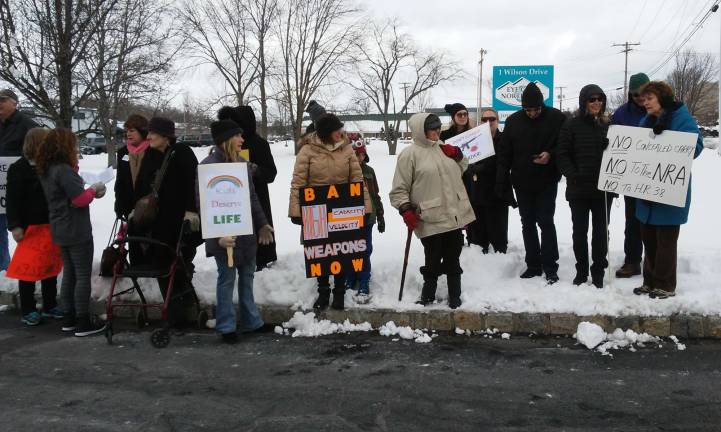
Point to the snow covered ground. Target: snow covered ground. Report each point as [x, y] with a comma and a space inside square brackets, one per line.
[490, 282]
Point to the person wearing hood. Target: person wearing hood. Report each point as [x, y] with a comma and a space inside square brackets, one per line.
[264, 174]
[580, 151]
[661, 223]
[429, 194]
[228, 139]
[528, 152]
[459, 120]
[630, 114]
[326, 158]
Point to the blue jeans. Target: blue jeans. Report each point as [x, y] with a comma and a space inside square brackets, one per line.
[225, 320]
[4, 248]
[363, 277]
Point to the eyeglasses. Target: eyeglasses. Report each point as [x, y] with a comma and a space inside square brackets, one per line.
[488, 119]
[462, 114]
[595, 99]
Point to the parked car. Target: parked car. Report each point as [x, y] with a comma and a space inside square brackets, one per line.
[190, 140]
[206, 140]
[95, 145]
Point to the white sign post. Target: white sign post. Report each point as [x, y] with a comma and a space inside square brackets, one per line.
[476, 144]
[224, 200]
[5, 163]
[642, 165]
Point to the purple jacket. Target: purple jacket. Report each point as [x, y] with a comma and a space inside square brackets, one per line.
[628, 114]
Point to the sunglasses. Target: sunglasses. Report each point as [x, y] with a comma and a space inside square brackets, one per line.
[462, 114]
[488, 119]
[595, 99]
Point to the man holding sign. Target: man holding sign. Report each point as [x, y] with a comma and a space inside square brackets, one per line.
[654, 165]
[231, 214]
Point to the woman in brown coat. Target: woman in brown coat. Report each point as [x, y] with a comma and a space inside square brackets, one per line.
[326, 157]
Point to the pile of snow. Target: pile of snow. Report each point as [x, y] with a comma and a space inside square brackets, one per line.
[306, 325]
[594, 338]
[391, 329]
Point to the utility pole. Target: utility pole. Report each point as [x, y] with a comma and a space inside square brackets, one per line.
[405, 87]
[626, 49]
[560, 96]
[480, 87]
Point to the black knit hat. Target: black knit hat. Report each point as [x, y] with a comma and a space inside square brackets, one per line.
[162, 126]
[432, 122]
[452, 109]
[532, 96]
[315, 110]
[327, 124]
[223, 130]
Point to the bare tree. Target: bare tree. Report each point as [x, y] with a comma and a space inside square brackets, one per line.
[316, 39]
[130, 57]
[42, 45]
[692, 77]
[388, 55]
[219, 34]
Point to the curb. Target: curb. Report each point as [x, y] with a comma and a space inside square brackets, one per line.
[688, 326]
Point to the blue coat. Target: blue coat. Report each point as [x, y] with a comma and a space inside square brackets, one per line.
[652, 213]
[628, 114]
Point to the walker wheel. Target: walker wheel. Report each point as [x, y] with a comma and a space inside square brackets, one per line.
[160, 338]
[202, 319]
[141, 319]
[109, 333]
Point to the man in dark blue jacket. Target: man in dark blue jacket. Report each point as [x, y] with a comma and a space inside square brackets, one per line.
[630, 114]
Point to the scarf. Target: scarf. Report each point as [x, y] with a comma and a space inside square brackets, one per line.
[135, 157]
[140, 148]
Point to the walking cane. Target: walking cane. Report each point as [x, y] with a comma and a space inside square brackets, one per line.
[405, 263]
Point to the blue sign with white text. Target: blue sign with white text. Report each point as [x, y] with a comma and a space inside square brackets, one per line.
[510, 81]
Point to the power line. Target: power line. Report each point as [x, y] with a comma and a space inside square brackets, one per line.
[638, 18]
[627, 49]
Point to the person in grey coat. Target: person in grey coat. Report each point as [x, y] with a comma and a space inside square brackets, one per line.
[227, 136]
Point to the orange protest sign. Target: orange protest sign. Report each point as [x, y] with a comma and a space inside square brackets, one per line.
[36, 257]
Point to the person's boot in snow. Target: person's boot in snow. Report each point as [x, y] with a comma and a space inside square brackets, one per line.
[428, 293]
[580, 279]
[531, 273]
[551, 278]
[321, 303]
[338, 298]
[642, 290]
[363, 296]
[597, 279]
[628, 270]
[454, 290]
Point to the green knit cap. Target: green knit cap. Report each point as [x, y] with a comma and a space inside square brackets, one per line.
[636, 81]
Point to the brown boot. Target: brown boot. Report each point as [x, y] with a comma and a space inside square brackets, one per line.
[628, 270]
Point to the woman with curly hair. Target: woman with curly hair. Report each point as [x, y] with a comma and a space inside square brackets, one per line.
[68, 206]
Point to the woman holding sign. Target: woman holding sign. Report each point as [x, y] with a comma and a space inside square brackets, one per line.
[228, 139]
[661, 223]
[430, 196]
[580, 149]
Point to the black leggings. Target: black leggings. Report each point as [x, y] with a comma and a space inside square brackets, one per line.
[27, 295]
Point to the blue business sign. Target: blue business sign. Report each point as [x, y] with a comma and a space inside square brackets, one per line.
[510, 81]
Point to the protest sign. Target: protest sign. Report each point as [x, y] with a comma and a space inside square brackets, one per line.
[224, 200]
[5, 163]
[333, 239]
[36, 257]
[642, 165]
[476, 144]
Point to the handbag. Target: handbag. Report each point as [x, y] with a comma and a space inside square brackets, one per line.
[146, 208]
[111, 254]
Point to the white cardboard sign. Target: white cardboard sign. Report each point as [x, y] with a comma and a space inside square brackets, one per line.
[476, 144]
[5, 163]
[224, 200]
[642, 165]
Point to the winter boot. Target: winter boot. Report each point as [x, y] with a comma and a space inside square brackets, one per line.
[580, 279]
[323, 299]
[428, 293]
[531, 273]
[454, 290]
[338, 298]
[597, 279]
[628, 270]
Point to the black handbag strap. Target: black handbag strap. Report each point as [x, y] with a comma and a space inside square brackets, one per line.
[160, 174]
[114, 231]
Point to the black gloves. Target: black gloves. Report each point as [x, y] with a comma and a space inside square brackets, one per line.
[297, 220]
[381, 224]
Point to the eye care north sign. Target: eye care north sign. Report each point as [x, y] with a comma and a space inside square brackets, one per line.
[224, 200]
[510, 81]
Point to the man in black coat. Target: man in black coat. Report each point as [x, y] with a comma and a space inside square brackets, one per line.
[263, 174]
[14, 125]
[580, 150]
[528, 151]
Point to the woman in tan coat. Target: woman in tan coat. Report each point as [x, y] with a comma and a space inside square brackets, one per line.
[429, 193]
[326, 157]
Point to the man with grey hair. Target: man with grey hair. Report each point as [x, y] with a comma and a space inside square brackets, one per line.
[14, 125]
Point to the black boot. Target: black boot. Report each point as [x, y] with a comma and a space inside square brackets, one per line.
[338, 298]
[428, 293]
[323, 299]
[597, 279]
[580, 279]
[454, 290]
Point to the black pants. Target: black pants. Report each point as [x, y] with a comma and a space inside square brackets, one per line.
[632, 245]
[490, 227]
[49, 289]
[338, 282]
[659, 264]
[538, 208]
[442, 254]
[182, 301]
[600, 210]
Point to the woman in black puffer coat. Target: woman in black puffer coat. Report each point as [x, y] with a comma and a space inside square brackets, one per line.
[580, 150]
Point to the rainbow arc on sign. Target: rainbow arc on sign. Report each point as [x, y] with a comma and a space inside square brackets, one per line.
[225, 178]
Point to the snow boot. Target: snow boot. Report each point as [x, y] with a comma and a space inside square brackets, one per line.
[428, 293]
[321, 303]
[531, 273]
[643, 289]
[338, 298]
[551, 278]
[628, 270]
[597, 279]
[454, 290]
[580, 279]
